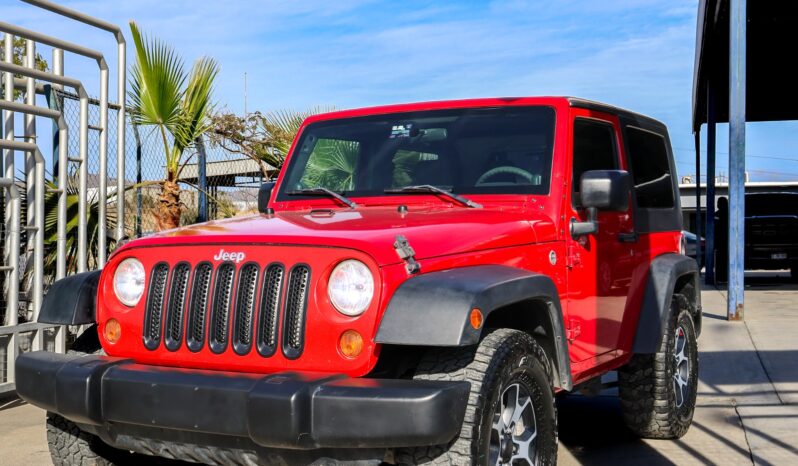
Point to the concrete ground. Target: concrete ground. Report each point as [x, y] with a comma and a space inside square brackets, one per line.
[747, 409]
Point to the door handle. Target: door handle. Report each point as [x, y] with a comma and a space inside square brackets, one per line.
[628, 237]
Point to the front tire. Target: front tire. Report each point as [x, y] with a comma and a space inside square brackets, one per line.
[510, 417]
[658, 391]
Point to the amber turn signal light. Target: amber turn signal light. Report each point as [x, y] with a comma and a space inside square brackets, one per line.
[476, 318]
[351, 344]
[112, 331]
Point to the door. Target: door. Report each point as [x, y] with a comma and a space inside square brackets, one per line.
[600, 265]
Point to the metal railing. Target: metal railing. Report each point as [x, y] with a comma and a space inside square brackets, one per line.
[17, 335]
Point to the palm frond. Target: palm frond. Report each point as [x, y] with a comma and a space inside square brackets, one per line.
[157, 81]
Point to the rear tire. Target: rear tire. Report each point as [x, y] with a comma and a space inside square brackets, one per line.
[510, 409]
[658, 391]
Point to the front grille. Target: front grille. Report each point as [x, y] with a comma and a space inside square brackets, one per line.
[154, 309]
[220, 315]
[228, 306]
[245, 307]
[296, 305]
[177, 304]
[200, 291]
[270, 309]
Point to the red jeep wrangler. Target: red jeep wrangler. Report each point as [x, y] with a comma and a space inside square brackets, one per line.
[420, 283]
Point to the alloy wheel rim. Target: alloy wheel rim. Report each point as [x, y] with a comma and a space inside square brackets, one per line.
[681, 373]
[513, 439]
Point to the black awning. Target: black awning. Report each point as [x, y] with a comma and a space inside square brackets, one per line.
[772, 60]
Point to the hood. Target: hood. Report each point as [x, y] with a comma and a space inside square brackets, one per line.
[432, 231]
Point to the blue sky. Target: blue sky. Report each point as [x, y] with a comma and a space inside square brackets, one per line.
[298, 54]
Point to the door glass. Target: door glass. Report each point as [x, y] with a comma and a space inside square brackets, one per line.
[594, 149]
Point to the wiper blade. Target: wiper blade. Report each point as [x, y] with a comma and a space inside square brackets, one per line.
[428, 188]
[318, 191]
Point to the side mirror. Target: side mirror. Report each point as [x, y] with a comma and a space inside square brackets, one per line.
[601, 190]
[264, 195]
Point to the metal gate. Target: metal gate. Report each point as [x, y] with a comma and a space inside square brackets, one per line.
[23, 264]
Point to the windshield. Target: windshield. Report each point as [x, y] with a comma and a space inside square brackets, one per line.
[505, 150]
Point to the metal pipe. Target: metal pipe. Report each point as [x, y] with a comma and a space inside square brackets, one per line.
[63, 142]
[709, 254]
[12, 246]
[103, 185]
[83, 173]
[698, 251]
[121, 93]
[12, 207]
[38, 226]
[60, 172]
[83, 147]
[121, 86]
[35, 188]
[737, 88]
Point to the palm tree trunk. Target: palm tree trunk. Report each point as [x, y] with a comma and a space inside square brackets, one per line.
[169, 209]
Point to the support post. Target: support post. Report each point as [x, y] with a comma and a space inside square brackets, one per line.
[202, 182]
[709, 257]
[139, 200]
[737, 88]
[698, 257]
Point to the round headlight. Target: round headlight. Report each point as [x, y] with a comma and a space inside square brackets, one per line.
[351, 287]
[129, 281]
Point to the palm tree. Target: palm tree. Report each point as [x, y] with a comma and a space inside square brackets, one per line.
[177, 104]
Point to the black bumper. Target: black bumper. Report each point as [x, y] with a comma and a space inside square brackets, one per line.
[285, 410]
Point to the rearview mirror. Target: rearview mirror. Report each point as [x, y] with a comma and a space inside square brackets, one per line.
[601, 190]
[264, 195]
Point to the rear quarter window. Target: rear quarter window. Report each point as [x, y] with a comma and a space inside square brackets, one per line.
[648, 154]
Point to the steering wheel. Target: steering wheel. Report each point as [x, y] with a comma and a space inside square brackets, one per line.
[505, 169]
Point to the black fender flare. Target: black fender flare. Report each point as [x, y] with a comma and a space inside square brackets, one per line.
[72, 300]
[433, 309]
[664, 273]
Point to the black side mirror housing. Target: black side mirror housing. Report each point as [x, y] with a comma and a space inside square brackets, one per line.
[601, 190]
[264, 195]
[605, 190]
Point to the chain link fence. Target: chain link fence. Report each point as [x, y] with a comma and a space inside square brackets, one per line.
[231, 185]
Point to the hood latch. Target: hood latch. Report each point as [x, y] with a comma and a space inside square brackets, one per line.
[407, 254]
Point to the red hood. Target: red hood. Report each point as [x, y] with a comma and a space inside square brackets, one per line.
[431, 230]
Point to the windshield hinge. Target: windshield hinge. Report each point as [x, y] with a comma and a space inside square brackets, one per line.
[407, 254]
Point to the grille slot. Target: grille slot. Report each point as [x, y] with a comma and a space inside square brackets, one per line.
[154, 310]
[246, 297]
[200, 291]
[222, 299]
[296, 305]
[178, 287]
[269, 316]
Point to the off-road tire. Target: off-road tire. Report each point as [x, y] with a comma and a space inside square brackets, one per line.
[646, 383]
[503, 357]
[68, 444]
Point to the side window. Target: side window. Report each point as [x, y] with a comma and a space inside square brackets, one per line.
[650, 169]
[594, 149]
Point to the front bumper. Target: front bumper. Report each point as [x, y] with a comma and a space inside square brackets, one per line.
[284, 410]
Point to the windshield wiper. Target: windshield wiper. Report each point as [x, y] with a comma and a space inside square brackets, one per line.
[428, 188]
[323, 192]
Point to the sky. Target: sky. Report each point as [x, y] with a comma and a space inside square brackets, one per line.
[298, 54]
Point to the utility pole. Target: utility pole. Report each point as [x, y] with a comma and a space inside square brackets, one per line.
[245, 93]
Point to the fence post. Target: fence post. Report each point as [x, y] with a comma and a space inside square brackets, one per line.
[138, 180]
[202, 182]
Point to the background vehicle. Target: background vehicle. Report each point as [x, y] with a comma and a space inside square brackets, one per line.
[421, 281]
